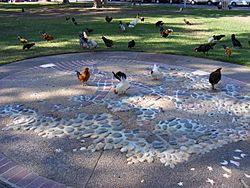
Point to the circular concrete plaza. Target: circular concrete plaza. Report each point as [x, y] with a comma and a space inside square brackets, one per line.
[171, 132]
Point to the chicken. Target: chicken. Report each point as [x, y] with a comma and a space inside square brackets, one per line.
[85, 42]
[228, 51]
[84, 77]
[23, 10]
[215, 38]
[180, 10]
[67, 18]
[28, 46]
[165, 32]
[188, 22]
[131, 44]
[120, 75]
[155, 73]
[74, 21]
[47, 37]
[142, 19]
[249, 42]
[108, 42]
[133, 23]
[159, 24]
[236, 43]
[108, 19]
[205, 48]
[21, 39]
[121, 26]
[218, 37]
[215, 77]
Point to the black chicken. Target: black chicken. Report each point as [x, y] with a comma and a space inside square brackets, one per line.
[131, 44]
[108, 19]
[67, 18]
[249, 42]
[23, 10]
[74, 21]
[236, 43]
[28, 46]
[215, 77]
[159, 23]
[205, 47]
[218, 37]
[108, 42]
[120, 75]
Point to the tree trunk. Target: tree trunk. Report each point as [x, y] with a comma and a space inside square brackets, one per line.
[97, 3]
[65, 1]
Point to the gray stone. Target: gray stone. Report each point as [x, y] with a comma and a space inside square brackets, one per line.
[69, 129]
[101, 131]
[188, 125]
[116, 135]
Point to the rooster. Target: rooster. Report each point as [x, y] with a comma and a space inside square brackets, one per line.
[165, 32]
[120, 75]
[108, 19]
[187, 22]
[84, 77]
[205, 48]
[108, 42]
[236, 43]
[159, 24]
[21, 39]
[47, 37]
[123, 85]
[28, 46]
[215, 77]
[155, 73]
[122, 26]
[131, 44]
[228, 51]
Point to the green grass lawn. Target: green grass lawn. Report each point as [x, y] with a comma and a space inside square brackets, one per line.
[51, 18]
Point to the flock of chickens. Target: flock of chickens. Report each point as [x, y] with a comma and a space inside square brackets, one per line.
[124, 84]
[155, 74]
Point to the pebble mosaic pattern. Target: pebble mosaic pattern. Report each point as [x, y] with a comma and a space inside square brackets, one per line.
[224, 114]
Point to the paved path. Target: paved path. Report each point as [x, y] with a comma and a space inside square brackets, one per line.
[160, 134]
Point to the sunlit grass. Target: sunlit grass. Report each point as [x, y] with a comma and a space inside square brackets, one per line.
[182, 41]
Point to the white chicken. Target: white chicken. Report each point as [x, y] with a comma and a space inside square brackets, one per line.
[133, 23]
[121, 26]
[122, 87]
[210, 40]
[155, 73]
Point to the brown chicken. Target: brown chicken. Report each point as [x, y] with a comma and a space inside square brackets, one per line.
[215, 77]
[188, 22]
[84, 77]
[228, 51]
[47, 37]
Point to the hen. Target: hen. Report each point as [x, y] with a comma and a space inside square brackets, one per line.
[108, 42]
[228, 51]
[215, 77]
[131, 44]
[236, 43]
[84, 77]
[85, 42]
[205, 48]
[123, 85]
[165, 32]
[47, 37]
[74, 21]
[108, 19]
[155, 73]
[122, 26]
[159, 24]
[21, 39]
[28, 46]
[187, 22]
[133, 23]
